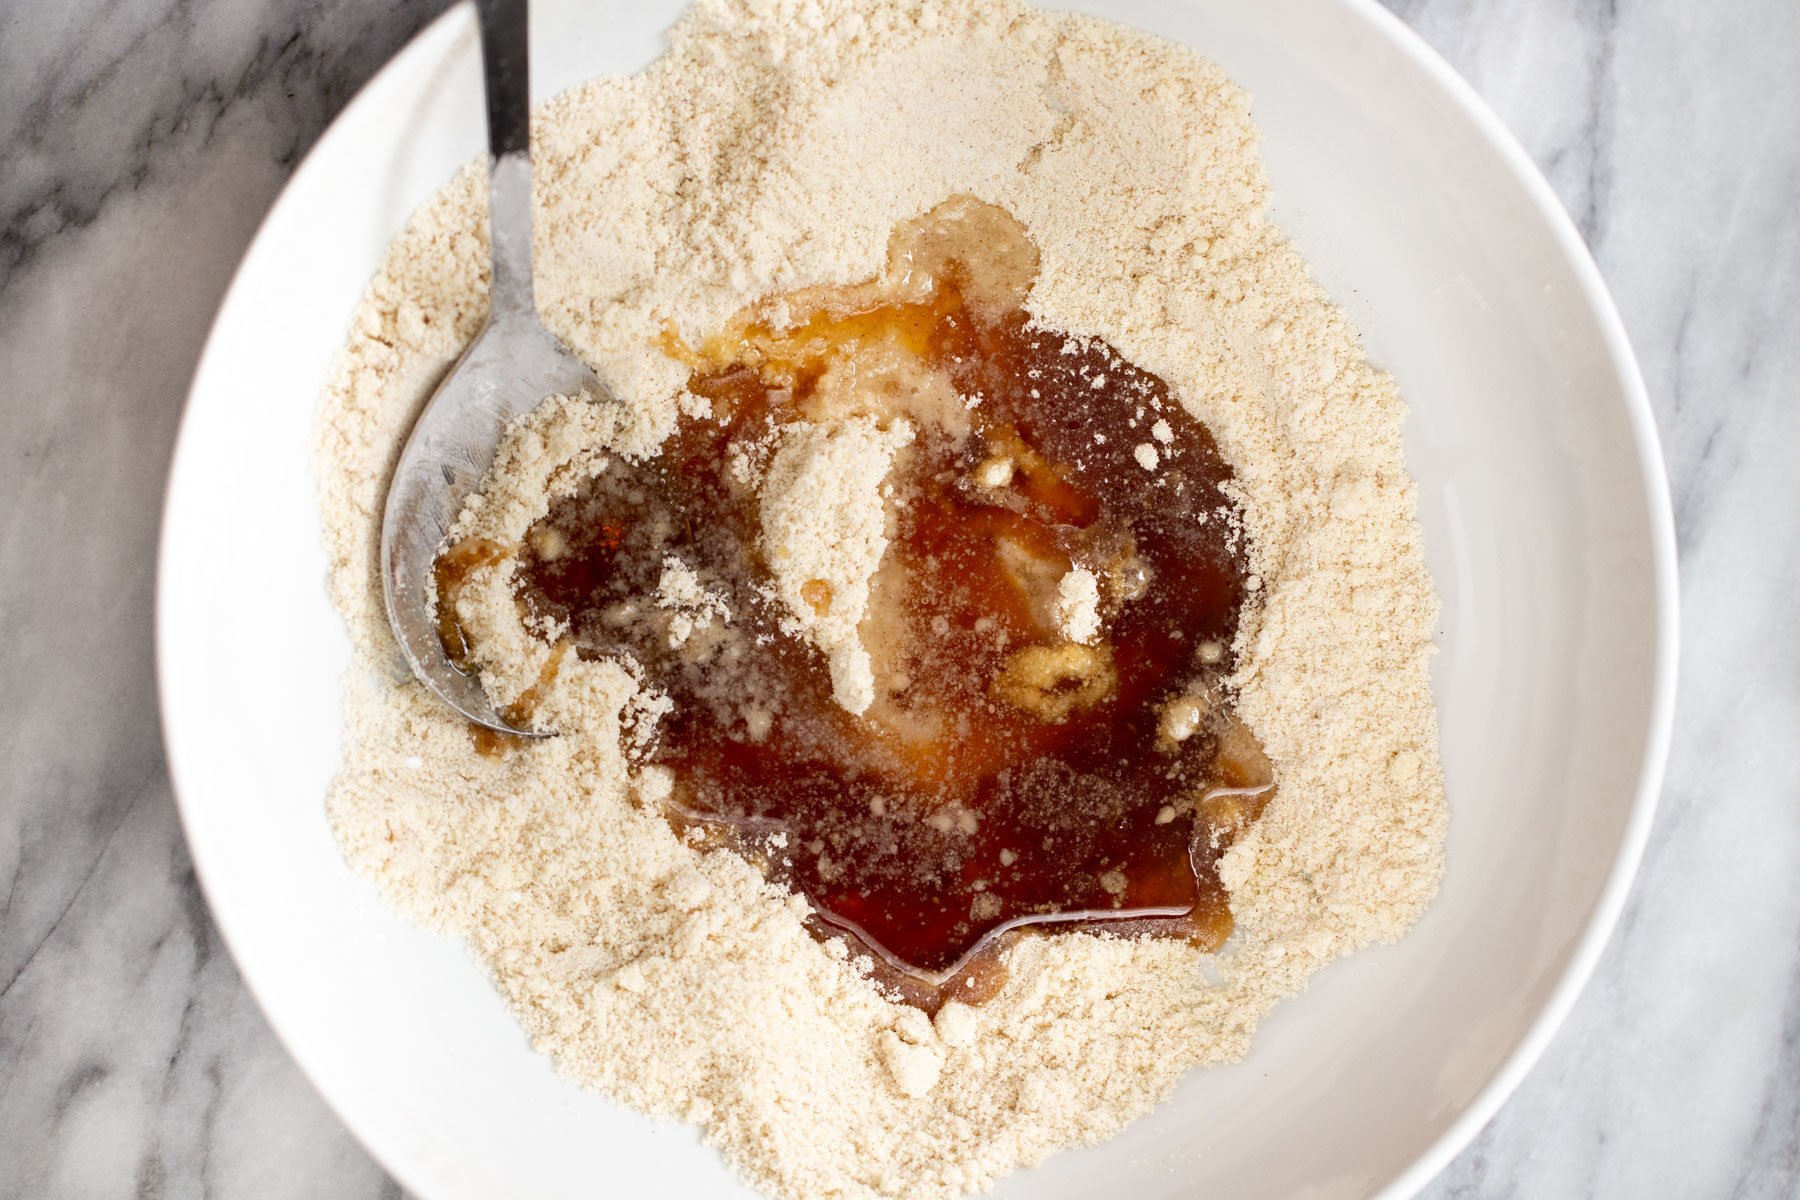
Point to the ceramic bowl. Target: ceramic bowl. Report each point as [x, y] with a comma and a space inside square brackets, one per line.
[1548, 532]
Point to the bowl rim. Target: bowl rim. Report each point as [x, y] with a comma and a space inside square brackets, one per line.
[444, 31]
[1661, 520]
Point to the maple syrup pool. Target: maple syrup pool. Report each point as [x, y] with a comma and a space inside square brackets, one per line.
[1028, 758]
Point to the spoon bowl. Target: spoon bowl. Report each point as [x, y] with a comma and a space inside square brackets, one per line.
[510, 368]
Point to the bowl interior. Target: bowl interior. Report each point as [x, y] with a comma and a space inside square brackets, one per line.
[1547, 532]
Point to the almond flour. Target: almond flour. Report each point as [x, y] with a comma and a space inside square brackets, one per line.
[774, 148]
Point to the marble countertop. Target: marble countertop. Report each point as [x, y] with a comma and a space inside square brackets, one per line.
[142, 142]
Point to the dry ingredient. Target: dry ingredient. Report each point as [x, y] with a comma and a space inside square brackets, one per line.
[774, 148]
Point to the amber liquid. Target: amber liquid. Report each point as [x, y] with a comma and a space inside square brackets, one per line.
[951, 811]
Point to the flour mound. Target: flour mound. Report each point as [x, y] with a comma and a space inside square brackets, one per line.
[824, 528]
[773, 148]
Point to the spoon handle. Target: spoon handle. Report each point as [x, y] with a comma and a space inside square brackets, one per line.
[505, 62]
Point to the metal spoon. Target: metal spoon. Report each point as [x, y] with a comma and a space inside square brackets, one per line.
[513, 365]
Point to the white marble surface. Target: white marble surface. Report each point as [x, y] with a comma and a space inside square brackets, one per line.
[142, 141]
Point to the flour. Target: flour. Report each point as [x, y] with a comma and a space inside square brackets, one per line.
[693, 609]
[776, 147]
[823, 555]
[1078, 605]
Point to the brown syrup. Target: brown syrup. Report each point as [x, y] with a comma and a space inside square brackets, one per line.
[1005, 776]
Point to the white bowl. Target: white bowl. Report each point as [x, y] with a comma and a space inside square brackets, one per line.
[1548, 531]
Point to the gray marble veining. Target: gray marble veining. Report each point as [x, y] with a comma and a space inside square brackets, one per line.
[142, 142]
